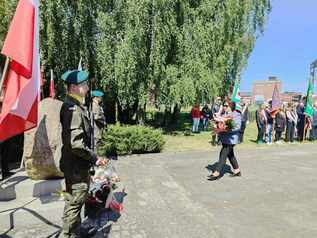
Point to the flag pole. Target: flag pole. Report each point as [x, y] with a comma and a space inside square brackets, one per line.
[305, 116]
[52, 79]
[305, 127]
[4, 73]
[80, 67]
[305, 122]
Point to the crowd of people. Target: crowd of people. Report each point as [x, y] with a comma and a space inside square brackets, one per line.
[207, 116]
[289, 121]
[228, 120]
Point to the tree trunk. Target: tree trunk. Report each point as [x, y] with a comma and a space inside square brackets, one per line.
[141, 115]
[176, 113]
[126, 116]
[167, 116]
[110, 111]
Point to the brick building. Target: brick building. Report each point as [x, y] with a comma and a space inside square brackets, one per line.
[263, 89]
[290, 97]
[246, 97]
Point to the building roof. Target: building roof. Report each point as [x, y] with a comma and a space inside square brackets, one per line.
[266, 81]
[292, 93]
[246, 94]
[271, 79]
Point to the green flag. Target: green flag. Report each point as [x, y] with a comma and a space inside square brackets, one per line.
[236, 93]
[309, 109]
[236, 98]
[238, 107]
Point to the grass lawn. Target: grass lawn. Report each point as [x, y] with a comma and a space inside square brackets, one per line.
[177, 141]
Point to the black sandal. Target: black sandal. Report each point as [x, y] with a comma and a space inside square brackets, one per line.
[213, 178]
[236, 175]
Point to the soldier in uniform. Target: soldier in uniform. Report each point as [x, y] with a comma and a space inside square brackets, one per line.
[98, 113]
[77, 157]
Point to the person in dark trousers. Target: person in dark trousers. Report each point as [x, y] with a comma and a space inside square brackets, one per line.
[301, 121]
[215, 110]
[313, 131]
[77, 155]
[206, 115]
[216, 106]
[229, 139]
[4, 157]
[280, 122]
[270, 122]
[11, 152]
[261, 123]
[3, 162]
[195, 113]
[244, 119]
[290, 124]
[98, 114]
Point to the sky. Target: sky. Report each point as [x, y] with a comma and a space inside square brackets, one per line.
[287, 47]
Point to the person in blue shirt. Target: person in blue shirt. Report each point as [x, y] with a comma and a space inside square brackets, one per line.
[229, 139]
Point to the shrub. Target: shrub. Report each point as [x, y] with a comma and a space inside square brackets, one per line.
[124, 140]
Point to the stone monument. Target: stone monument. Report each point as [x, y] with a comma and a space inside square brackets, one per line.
[42, 145]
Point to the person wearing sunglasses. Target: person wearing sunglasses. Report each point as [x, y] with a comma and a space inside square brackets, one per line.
[229, 139]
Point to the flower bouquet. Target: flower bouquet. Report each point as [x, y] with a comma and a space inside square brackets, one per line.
[223, 124]
[229, 124]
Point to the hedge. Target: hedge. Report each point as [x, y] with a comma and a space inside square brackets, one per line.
[123, 140]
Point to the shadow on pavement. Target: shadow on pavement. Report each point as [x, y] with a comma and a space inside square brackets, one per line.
[37, 215]
[55, 234]
[5, 236]
[45, 189]
[102, 225]
[226, 169]
[7, 187]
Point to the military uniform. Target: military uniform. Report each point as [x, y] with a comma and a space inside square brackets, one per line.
[77, 157]
[99, 115]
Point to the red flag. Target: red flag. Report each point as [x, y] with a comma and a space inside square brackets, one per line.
[52, 90]
[22, 84]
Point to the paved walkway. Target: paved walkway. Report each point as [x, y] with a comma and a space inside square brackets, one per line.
[169, 196]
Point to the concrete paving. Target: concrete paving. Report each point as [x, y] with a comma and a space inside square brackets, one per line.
[169, 196]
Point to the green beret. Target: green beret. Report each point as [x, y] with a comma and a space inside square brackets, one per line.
[75, 76]
[97, 93]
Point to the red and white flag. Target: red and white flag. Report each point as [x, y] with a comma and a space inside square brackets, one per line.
[22, 84]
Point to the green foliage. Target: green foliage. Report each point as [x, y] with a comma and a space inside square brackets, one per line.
[7, 8]
[252, 110]
[68, 33]
[229, 124]
[131, 140]
[178, 51]
[170, 51]
[123, 52]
